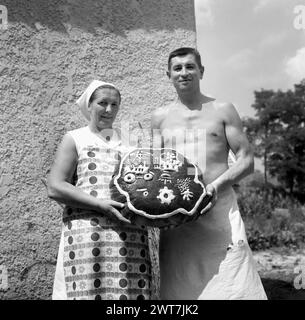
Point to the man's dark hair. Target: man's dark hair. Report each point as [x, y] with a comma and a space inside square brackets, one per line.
[183, 52]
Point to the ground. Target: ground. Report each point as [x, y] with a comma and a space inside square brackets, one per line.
[276, 266]
[279, 269]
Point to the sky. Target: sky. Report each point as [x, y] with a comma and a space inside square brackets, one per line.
[249, 45]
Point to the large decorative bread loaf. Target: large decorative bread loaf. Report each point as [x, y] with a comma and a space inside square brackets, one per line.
[160, 187]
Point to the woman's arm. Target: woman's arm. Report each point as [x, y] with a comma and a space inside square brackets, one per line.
[60, 186]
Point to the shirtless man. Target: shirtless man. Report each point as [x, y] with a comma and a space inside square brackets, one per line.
[210, 257]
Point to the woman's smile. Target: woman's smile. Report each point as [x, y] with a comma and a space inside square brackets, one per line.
[104, 108]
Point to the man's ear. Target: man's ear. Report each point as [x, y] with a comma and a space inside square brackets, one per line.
[201, 72]
[168, 74]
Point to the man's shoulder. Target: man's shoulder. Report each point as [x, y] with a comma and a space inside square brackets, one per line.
[223, 106]
[165, 108]
[161, 112]
[227, 111]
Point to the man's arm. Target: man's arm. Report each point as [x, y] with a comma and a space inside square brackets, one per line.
[239, 144]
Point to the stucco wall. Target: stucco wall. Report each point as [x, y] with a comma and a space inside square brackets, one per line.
[49, 53]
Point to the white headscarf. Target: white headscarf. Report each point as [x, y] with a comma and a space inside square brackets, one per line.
[83, 100]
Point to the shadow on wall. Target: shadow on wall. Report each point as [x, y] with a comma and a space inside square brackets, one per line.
[113, 16]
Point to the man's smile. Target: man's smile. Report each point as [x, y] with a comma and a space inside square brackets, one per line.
[105, 117]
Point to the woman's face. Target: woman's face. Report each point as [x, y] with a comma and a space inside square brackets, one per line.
[104, 108]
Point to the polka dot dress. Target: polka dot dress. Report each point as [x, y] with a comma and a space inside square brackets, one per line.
[102, 259]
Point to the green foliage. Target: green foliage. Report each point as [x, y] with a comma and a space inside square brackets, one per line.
[271, 219]
[278, 135]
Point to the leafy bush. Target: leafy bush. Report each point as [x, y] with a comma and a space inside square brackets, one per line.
[271, 220]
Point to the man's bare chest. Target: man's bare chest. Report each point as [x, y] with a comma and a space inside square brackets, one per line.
[193, 122]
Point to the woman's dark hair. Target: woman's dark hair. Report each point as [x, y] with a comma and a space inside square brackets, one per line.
[93, 96]
[183, 52]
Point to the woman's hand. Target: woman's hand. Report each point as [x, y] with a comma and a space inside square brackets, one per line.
[111, 209]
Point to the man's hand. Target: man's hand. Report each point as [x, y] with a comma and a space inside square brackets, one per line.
[212, 192]
[111, 209]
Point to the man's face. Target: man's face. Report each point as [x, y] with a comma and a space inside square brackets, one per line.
[185, 72]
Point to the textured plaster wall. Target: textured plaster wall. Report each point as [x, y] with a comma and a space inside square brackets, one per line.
[49, 53]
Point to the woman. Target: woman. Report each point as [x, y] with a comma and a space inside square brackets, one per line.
[101, 255]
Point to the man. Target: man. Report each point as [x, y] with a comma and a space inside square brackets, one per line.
[210, 257]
